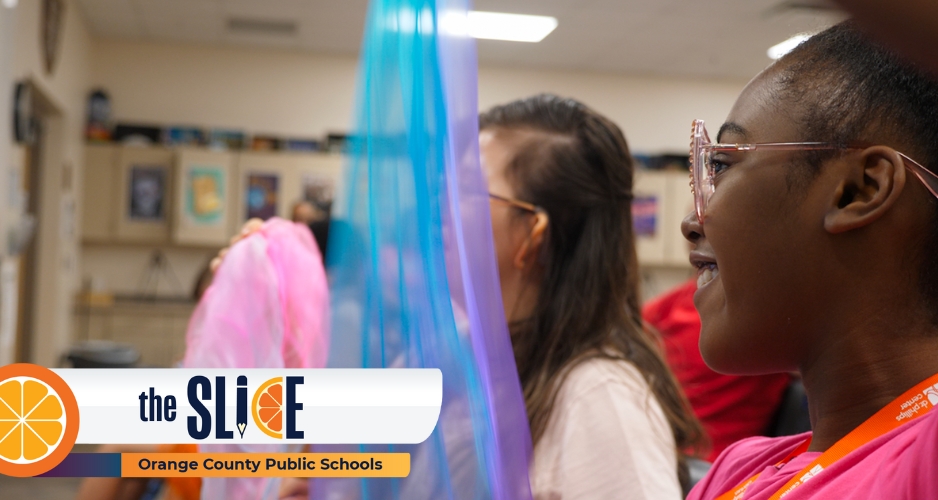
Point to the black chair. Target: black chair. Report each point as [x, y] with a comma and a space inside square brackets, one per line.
[696, 469]
[792, 416]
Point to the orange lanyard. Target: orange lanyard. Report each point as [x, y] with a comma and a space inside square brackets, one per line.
[914, 403]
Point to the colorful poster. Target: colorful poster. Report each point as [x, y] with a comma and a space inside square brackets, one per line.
[147, 193]
[205, 195]
[261, 196]
[645, 215]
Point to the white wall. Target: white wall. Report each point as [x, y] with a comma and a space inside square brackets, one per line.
[259, 90]
[65, 89]
[7, 30]
[654, 112]
[296, 93]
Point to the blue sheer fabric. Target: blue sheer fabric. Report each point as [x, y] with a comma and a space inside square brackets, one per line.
[411, 257]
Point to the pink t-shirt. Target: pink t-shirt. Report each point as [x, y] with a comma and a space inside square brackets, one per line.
[899, 465]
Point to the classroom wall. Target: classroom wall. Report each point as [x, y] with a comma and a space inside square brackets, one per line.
[7, 32]
[303, 94]
[258, 90]
[291, 93]
[654, 112]
[64, 93]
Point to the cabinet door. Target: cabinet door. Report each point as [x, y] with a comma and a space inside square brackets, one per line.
[203, 200]
[680, 203]
[264, 185]
[313, 177]
[648, 216]
[98, 193]
[320, 180]
[145, 192]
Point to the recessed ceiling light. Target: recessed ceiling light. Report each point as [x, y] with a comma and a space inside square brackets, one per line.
[9, 3]
[499, 26]
[780, 49]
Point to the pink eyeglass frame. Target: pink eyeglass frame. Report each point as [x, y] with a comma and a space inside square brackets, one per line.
[702, 174]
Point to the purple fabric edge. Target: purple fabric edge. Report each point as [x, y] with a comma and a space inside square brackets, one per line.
[469, 208]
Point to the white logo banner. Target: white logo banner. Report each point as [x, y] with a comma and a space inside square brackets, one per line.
[256, 406]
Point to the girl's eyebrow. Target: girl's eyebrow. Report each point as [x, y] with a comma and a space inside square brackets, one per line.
[731, 127]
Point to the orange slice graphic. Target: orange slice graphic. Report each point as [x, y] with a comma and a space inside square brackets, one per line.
[267, 407]
[38, 420]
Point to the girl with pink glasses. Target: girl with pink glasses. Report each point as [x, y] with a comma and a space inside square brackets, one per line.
[815, 238]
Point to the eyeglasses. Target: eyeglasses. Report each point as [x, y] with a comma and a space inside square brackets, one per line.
[523, 205]
[702, 169]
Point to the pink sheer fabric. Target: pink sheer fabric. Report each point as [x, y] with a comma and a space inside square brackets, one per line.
[267, 307]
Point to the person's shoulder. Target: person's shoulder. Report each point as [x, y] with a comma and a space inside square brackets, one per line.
[759, 449]
[603, 372]
[742, 460]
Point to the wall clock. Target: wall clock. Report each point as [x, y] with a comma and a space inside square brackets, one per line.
[23, 114]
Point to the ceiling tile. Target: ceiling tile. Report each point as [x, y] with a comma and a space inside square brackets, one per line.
[716, 38]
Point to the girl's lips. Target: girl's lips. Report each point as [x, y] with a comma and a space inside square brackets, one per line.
[706, 274]
[706, 266]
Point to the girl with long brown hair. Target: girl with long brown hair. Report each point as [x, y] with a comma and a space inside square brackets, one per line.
[607, 418]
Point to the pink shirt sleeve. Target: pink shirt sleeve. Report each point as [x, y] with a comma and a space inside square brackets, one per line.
[899, 465]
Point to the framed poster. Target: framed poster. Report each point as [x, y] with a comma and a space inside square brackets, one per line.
[144, 187]
[650, 189]
[265, 182]
[261, 195]
[645, 215]
[203, 197]
[147, 193]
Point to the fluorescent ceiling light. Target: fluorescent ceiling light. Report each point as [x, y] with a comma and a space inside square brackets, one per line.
[780, 49]
[499, 26]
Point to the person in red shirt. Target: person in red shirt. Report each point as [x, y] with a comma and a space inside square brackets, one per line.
[730, 407]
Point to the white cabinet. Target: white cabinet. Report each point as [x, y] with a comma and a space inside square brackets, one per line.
[661, 200]
[99, 189]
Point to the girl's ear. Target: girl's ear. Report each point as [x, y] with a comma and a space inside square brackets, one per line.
[532, 244]
[869, 188]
